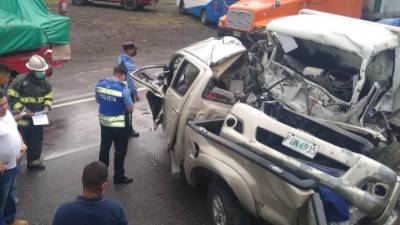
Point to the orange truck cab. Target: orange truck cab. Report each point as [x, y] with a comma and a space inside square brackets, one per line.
[246, 18]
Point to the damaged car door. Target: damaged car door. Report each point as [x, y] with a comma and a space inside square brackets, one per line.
[168, 91]
[176, 96]
[157, 82]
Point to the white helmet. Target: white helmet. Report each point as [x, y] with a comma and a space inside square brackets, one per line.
[37, 63]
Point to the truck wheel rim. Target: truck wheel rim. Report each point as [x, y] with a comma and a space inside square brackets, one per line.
[218, 211]
[129, 3]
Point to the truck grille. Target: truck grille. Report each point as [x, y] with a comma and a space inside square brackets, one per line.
[239, 20]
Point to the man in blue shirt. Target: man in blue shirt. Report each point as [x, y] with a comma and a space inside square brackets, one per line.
[92, 208]
[115, 102]
[126, 59]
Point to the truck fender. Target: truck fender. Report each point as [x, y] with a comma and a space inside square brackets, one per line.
[221, 170]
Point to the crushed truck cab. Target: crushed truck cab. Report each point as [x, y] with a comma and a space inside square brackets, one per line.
[277, 130]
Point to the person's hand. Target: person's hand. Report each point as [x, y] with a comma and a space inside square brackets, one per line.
[23, 148]
[3, 167]
[22, 152]
[46, 110]
[17, 115]
[28, 113]
[137, 99]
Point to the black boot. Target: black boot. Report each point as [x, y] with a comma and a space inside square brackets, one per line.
[134, 134]
[123, 180]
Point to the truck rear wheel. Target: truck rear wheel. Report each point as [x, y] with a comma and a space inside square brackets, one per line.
[224, 207]
[130, 5]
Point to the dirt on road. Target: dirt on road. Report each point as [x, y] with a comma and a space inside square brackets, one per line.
[97, 31]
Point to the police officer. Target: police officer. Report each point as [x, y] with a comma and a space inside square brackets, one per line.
[114, 101]
[31, 93]
[126, 59]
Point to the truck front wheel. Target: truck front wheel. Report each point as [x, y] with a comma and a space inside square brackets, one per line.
[130, 5]
[224, 207]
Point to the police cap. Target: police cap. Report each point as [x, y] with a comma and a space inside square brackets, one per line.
[129, 45]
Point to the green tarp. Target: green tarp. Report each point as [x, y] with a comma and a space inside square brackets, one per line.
[27, 25]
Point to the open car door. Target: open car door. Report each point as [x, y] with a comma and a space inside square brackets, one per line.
[155, 78]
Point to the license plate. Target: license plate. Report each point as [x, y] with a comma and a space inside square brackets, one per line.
[236, 33]
[301, 146]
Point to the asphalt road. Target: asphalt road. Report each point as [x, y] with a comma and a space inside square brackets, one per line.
[73, 137]
[72, 140]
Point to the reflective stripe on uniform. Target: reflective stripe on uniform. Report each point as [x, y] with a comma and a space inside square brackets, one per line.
[13, 93]
[31, 100]
[109, 92]
[23, 123]
[18, 106]
[48, 102]
[49, 95]
[112, 121]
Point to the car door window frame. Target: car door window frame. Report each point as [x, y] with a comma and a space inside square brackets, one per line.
[178, 75]
[178, 66]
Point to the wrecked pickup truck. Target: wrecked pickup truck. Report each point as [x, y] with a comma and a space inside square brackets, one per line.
[298, 130]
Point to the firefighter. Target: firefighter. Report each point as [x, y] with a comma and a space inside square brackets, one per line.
[114, 101]
[126, 59]
[29, 94]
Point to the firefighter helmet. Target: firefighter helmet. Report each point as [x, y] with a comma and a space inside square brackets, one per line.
[37, 63]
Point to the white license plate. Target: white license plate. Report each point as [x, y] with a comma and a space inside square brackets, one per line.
[236, 33]
[301, 146]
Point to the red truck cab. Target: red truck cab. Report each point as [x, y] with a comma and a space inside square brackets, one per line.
[127, 4]
[55, 57]
[28, 28]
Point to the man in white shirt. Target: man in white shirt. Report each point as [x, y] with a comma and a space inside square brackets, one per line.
[12, 149]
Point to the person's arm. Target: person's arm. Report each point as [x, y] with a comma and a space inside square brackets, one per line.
[48, 99]
[130, 66]
[22, 149]
[3, 165]
[127, 100]
[13, 95]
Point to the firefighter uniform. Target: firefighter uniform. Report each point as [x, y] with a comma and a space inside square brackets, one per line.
[113, 98]
[27, 93]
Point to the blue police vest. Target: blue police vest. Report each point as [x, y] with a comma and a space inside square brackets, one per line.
[109, 94]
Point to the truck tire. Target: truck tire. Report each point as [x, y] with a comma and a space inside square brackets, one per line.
[224, 207]
[181, 8]
[130, 5]
[204, 17]
[79, 2]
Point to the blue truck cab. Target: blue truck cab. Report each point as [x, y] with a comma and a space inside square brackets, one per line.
[209, 11]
